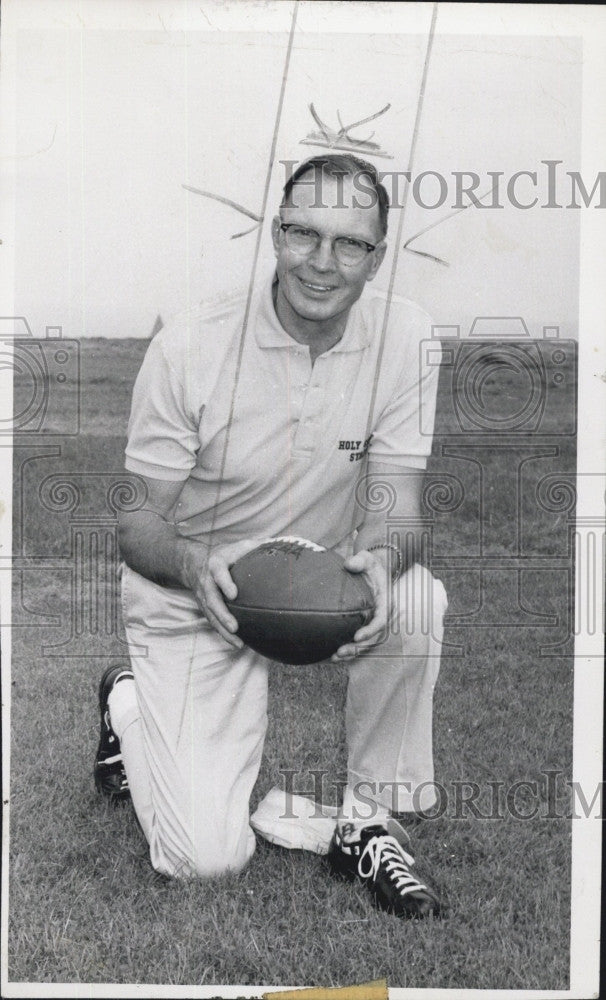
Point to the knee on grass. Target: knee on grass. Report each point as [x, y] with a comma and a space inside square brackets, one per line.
[204, 862]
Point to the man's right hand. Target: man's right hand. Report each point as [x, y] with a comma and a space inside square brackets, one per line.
[150, 545]
[207, 575]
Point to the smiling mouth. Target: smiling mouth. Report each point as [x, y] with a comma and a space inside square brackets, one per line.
[314, 287]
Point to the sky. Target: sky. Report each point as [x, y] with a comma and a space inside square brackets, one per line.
[111, 122]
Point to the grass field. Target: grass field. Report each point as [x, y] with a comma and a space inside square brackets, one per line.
[85, 905]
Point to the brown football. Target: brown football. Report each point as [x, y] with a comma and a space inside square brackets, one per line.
[296, 603]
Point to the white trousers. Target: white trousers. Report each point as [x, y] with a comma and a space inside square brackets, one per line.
[192, 743]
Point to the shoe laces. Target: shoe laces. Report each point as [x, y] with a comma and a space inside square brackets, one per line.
[385, 852]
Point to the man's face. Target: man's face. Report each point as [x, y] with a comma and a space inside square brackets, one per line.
[317, 287]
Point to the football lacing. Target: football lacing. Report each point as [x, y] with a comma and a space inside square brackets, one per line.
[387, 852]
[292, 544]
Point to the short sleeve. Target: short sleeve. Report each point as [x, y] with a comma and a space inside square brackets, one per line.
[404, 431]
[162, 435]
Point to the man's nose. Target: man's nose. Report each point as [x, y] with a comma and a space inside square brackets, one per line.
[323, 258]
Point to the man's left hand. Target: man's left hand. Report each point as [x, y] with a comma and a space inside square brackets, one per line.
[375, 568]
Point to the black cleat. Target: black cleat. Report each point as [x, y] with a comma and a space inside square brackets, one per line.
[379, 860]
[110, 776]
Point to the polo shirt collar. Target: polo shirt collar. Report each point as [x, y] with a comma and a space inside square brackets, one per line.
[269, 332]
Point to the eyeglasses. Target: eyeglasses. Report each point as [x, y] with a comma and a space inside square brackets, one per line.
[347, 250]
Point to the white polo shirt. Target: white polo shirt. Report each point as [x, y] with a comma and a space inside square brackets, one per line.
[265, 443]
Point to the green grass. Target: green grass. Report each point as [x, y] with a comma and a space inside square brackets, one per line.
[85, 905]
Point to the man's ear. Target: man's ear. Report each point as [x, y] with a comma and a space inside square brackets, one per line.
[275, 232]
[377, 259]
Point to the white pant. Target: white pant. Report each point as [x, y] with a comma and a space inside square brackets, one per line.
[192, 746]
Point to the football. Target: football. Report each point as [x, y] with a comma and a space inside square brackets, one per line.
[296, 603]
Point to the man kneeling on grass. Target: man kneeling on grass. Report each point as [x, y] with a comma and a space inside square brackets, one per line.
[313, 363]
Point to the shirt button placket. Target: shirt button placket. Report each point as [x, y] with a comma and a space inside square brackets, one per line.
[301, 375]
[312, 407]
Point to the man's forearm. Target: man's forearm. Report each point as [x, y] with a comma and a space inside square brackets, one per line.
[404, 487]
[150, 545]
[407, 544]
